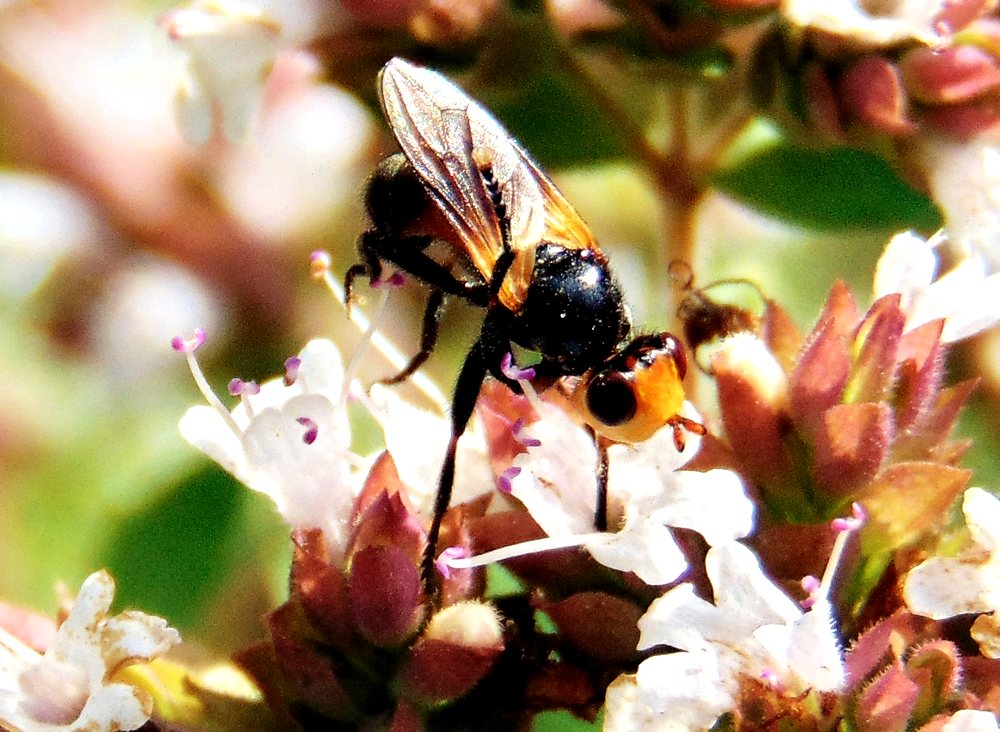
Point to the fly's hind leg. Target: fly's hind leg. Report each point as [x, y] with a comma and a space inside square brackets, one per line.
[428, 338]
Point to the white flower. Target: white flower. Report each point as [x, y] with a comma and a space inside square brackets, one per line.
[942, 587]
[231, 46]
[965, 297]
[291, 443]
[72, 686]
[898, 22]
[753, 630]
[646, 495]
[417, 440]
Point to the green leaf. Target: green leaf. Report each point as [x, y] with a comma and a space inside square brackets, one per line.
[834, 189]
[562, 721]
[173, 556]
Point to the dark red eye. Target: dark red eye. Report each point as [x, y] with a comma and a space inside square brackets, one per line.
[611, 398]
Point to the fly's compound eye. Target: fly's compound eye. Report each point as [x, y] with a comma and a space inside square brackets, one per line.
[637, 392]
[611, 398]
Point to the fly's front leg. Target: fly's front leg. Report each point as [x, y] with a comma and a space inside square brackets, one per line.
[370, 265]
[428, 338]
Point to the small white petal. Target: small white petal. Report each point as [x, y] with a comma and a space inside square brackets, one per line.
[418, 461]
[986, 632]
[740, 585]
[193, 110]
[982, 516]
[206, 430]
[907, 266]
[816, 654]
[942, 587]
[678, 692]
[646, 548]
[311, 484]
[971, 720]
[713, 503]
[683, 620]
[557, 483]
[115, 706]
[965, 297]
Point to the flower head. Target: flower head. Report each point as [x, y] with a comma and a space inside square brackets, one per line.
[752, 632]
[290, 442]
[76, 684]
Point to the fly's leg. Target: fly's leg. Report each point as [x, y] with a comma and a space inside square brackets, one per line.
[428, 338]
[470, 379]
[488, 349]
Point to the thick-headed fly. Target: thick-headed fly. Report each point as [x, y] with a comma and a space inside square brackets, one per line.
[516, 248]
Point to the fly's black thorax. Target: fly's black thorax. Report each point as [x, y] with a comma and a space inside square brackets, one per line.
[574, 313]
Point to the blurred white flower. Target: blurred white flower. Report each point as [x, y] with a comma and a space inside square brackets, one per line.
[888, 24]
[142, 305]
[41, 222]
[942, 587]
[73, 686]
[308, 157]
[971, 720]
[966, 297]
[231, 46]
[752, 630]
[647, 494]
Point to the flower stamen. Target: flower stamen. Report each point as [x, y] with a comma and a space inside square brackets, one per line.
[505, 481]
[517, 429]
[845, 528]
[188, 347]
[292, 365]
[522, 549]
[312, 429]
[243, 390]
[320, 263]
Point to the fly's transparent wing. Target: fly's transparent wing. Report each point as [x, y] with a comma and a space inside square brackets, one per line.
[448, 138]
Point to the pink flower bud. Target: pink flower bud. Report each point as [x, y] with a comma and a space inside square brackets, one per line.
[949, 75]
[872, 92]
[386, 596]
[456, 650]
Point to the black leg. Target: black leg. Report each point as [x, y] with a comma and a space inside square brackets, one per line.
[428, 338]
[470, 379]
[601, 504]
[356, 270]
[408, 254]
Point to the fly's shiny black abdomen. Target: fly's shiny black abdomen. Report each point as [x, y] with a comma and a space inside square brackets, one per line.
[574, 313]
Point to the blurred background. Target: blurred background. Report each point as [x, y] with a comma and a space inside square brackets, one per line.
[116, 234]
